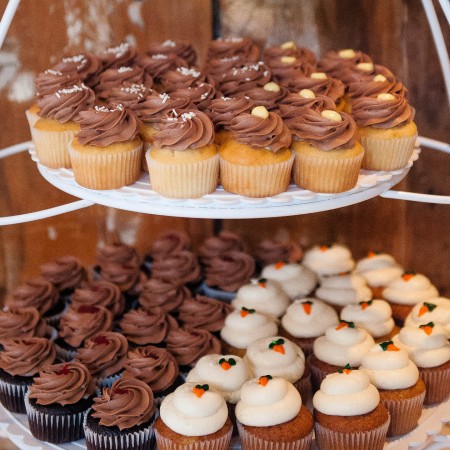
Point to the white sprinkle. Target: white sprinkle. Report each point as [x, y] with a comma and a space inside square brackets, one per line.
[265, 73]
[159, 56]
[77, 58]
[204, 96]
[53, 72]
[187, 116]
[247, 79]
[124, 69]
[118, 107]
[225, 98]
[120, 50]
[168, 43]
[174, 113]
[164, 96]
[134, 89]
[72, 90]
[185, 71]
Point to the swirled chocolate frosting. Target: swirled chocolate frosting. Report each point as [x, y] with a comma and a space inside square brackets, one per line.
[104, 353]
[223, 110]
[121, 55]
[126, 276]
[152, 365]
[170, 242]
[37, 293]
[185, 129]
[182, 77]
[51, 81]
[301, 53]
[160, 293]
[79, 324]
[200, 94]
[283, 71]
[177, 268]
[65, 384]
[230, 271]
[245, 48]
[182, 49]
[128, 94]
[224, 242]
[25, 357]
[117, 252]
[331, 87]
[270, 133]
[102, 126]
[216, 67]
[126, 404]
[66, 104]
[158, 64]
[65, 272]
[243, 78]
[21, 323]
[368, 111]
[355, 73]
[270, 251]
[332, 63]
[367, 87]
[114, 77]
[84, 65]
[188, 345]
[267, 98]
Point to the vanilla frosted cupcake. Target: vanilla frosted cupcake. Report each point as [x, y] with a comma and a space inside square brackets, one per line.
[374, 316]
[344, 289]
[296, 280]
[327, 260]
[406, 291]
[244, 327]
[379, 269]
[305, 320]
[397, 379]
[348, 413]
[429, 349]
[193, 417]
[262, 295]
[271, 415]
[436, 310]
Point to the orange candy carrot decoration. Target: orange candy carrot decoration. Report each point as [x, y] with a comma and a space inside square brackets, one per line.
[246, 311]
[227, 365]
[345, 324]
[307, 307]
[347, 369]
[426, 307]
[264, 380]
[427, 328]
[389, 346]
[200, 389]
[408, 275]
[277, 346]
[279, 265]
[262, 282]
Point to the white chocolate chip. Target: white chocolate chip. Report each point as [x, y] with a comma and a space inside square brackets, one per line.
[379, 78]
[288, 59]
[365, 67]
[385, 96]
[260, 111]
[331, 115]
[288, 45]
[271, 87]
[307, 93]
[319, 75]
[347, 53]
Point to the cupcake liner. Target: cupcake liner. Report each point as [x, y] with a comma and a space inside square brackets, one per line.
[437, 384]
[256, 181]
[144, 165]
[32, 118]
[107, 382]
[53, 320]
[219, 443]
[12, 396]
[52, 333]
[104, 169]
[54, 428]
[188, 180]
[252, 442]
[358, 440]
[217, 294]
[64, 354]
[52, 147]
[387, 154]
[317, 375]
[304, 387]
[319, 173]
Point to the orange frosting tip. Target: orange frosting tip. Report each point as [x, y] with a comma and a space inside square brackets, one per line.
[262, 284]
[279, 265]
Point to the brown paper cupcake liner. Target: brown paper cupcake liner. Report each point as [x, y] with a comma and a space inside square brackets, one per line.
[220, 443]
[52, 147]
[387, 154]
[190, 180]
[256, 181]
[12, 396]
[359, 440]
[324, 174]
[437, 384]
[252, 442]
[106, 170]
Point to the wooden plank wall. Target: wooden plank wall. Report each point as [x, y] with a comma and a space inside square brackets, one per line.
[417, 234]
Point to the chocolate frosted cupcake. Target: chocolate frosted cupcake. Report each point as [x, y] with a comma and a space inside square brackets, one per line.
[57, 401]
[113, 78]
[117, 56]
[287, 68]
[200, 94]
[20, 360]
[271, 251]
[181, 77]
[118, 253]
[154, 366]
[84, 65]
[269, 95]
[169, 47]
[244, 48]
[163, 294]
[170, 242]
[157, 64]
[289, 48]
[104, 355]
[224, 242]
[335, 61]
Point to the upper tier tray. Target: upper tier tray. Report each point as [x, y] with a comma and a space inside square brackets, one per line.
[139, 197]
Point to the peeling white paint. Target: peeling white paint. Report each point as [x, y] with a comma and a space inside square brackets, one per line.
[23, 88]
[135, 14]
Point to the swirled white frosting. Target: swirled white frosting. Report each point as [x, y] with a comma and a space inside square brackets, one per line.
[240, 331]
[389, 369]
[326, 261]
[267, 298]
[379, 270]
[343, 346]
[264, 406]
[227, 382]
[411, 291]
[189, 415]
[300, 324]
[344, 289]
[295, 280]
[440, 314]
[425, 350]
[263, 360]
[375, 318]
[346, 394]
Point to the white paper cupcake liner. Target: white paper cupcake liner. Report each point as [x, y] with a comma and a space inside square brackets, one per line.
[65, 354]
[12, 396]
[437, 384]
[108, 381]
[217, 294]
[52, 147]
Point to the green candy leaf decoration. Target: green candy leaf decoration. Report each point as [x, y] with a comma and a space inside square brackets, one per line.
[430, 306]
[347, 369]
[277, 342]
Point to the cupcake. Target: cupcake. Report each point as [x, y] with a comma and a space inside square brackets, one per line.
[200, 94]
[271, 415]
[256, 161]
[181, 77]
[269, 95]
[216, 246]
[115, 77]
[84, 65]
[328, 260]
[289, 48]
[194, 417]
[168, 243]
[182, 49]
[286, 68]
[436, 310]
[157, 64]
[271, 251]
[296, 280]
[116, 252]
[262, 295]
[335, 61]
[20, 360]
[348, 413]
[157, 293]
[184, 162]
[374, 316]
[379, 269]
[305, 320]
[327, 153]
[387, 130]
[57, 402]
[428, 347]
[244, 327]
[404, 292]
[121, 417]
[107, 152]
[244, 48]
[117, 56]
[397, 379]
